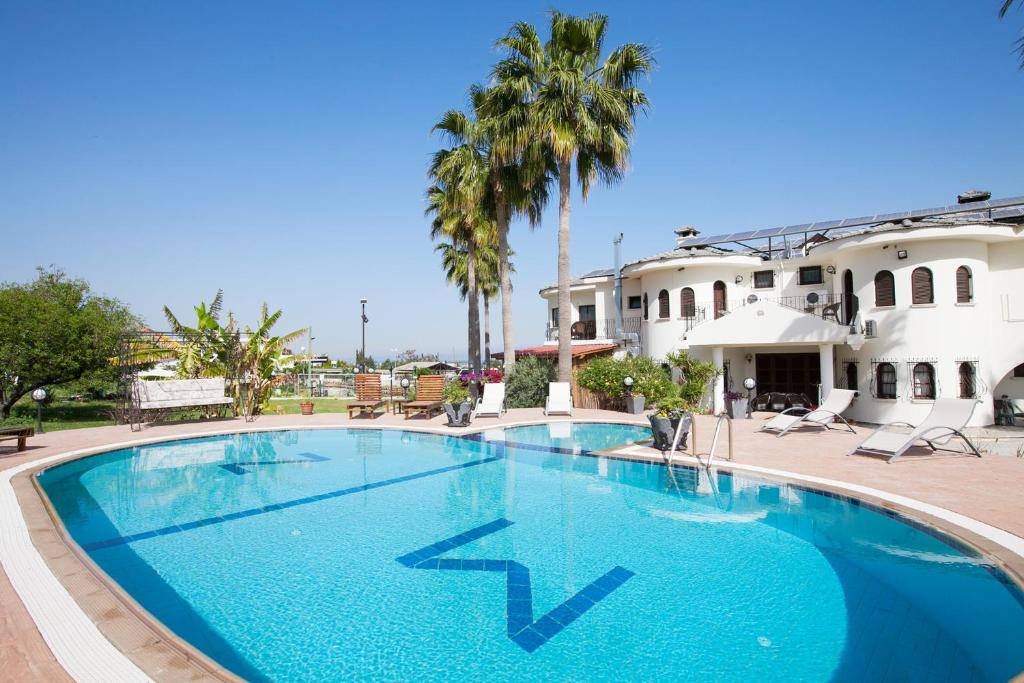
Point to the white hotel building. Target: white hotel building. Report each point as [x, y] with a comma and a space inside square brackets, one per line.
[901, 307]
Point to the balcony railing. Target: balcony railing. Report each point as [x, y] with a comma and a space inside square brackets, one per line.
[585, 330]
[839, 308]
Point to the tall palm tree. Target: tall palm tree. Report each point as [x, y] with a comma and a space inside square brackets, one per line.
[455, 217]
[583, 108]
[517, 177]
[454, 261]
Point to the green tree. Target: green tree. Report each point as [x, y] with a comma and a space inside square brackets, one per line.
[261, 353]
[526, 386]
[582, 108]
[55, 330]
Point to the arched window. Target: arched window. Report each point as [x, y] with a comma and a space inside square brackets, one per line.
[885, 289]
[687, 303]
[663, 309]
[921, 286]
[646, 309]
[721, 304]
[851, 376]
[924, 381]
[967, 383]
[964, 285]
[885, 380]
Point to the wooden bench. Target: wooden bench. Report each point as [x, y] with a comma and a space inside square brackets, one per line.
[20, 433]
[153, 395]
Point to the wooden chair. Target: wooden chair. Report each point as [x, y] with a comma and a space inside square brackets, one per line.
[429, 396]
[368, 395]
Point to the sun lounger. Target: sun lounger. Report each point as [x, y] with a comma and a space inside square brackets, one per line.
[946, 420]
[368, 395]
[492, 402]
[429, 396]
[830, 410]
[559, 399]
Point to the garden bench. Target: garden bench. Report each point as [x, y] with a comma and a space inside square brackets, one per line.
[180, 393]
[20, 433]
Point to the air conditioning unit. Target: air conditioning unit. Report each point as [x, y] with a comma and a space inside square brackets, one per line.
[818, 297]
[870, 329]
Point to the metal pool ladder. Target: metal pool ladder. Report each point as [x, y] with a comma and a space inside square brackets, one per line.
[693, 442]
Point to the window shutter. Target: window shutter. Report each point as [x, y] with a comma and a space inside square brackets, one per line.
[921, 286]
[663, 310]
[963, 285]
[687, 304]
[885, 289]
[646, 308]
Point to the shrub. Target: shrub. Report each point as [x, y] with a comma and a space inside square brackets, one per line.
[455, 392]
[527, 385]
[605, 375]
[696, 376]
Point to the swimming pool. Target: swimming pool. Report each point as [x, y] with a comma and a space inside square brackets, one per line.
[384, 554]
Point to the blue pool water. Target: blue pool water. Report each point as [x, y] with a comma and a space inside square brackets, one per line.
[391, 555]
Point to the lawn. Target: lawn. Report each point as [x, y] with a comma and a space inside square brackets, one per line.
[65, 414]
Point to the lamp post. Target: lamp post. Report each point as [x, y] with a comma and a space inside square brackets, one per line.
[39, 395]
[405, 386]
[631, 402]
[749, 384]
[365, 320]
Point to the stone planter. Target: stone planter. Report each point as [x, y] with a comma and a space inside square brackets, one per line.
[635, 404]
[306, 407]
[737, 408]
[664, 430]
[458, 415]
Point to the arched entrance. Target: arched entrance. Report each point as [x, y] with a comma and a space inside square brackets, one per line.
[720, 303]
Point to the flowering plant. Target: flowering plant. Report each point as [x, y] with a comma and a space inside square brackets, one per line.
[733, 395]
[487, 377]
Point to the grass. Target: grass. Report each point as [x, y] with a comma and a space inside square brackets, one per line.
[64, 414]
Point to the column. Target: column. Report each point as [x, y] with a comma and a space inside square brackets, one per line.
[826, 361]
[718, 392]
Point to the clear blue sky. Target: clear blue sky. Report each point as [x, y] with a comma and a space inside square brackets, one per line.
[277, 150]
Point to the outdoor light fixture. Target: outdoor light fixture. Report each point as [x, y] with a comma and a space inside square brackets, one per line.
[749, 357]
[739, 279]
[831, 270]
[627, 381]
[901, 254]
[749, 385]
[39, 395]
[365, 320]
[405, 386]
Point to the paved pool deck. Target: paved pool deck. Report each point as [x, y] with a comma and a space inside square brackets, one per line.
[976, 499]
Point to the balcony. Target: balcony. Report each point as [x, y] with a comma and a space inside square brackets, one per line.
[838, 308]
[587, 330]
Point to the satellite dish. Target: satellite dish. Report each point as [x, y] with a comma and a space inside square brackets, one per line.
[752, 299]
[812, 298]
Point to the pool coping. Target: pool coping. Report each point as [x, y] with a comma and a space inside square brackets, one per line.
[97, 631]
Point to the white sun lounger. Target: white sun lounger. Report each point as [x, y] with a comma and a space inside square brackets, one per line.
[946, 420]
[831, 409]
[559, 399]
[492, 402]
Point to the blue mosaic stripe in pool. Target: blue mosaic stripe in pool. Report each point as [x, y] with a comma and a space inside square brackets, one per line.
[520, 625]
[245, 467]
[121, 540]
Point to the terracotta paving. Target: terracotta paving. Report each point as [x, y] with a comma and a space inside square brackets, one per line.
[986, 489]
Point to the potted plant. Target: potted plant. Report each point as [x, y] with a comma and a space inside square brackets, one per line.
[665, 421]
[306, 402]
[736, 404]
[456, 404]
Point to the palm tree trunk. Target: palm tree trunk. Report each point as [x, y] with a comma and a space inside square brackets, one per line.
[487, 331]
[474, 308]
[505, 281]
[564, 274]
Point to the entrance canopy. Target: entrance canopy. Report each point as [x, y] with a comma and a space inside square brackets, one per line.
[767, 323]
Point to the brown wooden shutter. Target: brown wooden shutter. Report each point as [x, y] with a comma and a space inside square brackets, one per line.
[963, 285]
[687, 304]
[646, 310]
[663, 310]
[921, 286]
[885, 289]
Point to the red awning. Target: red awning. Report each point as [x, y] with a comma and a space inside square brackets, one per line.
[551, 350]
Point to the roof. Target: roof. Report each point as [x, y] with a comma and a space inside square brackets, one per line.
[424, 364]
[689, 252]
[578, 280]
[993, 210]
[578, 350]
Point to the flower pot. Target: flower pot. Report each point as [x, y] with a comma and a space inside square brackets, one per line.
[737, 408]
[664, 430]
[635, 404]
[306, 407]
[458, 415]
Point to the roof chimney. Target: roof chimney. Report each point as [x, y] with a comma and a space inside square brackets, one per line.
[973, 196]
[686, 232]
